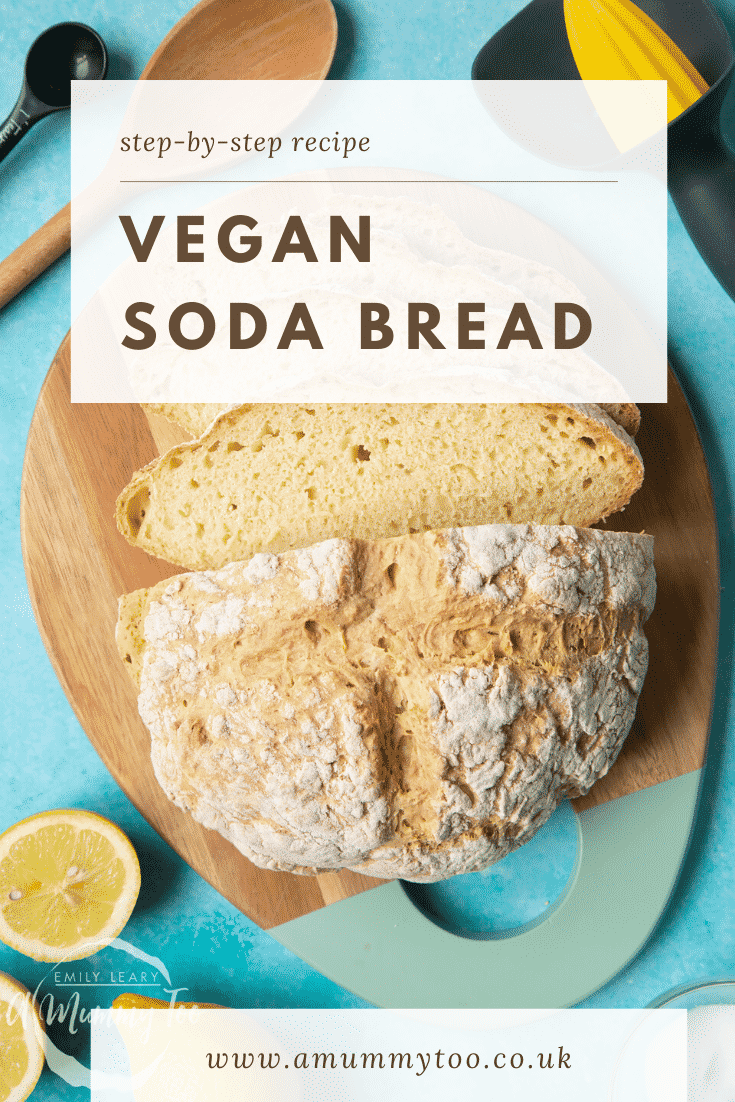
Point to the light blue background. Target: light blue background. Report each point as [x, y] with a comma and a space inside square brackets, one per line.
[46, 760]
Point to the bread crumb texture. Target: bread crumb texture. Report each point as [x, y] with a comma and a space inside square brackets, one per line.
[413, 707]
[273, 478]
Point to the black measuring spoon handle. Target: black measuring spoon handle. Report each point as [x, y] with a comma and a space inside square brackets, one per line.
[18, 123]
[702, 185]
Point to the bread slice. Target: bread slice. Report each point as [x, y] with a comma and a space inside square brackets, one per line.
[196, 417]
[270, 478]
[625, 414]
[413, 707]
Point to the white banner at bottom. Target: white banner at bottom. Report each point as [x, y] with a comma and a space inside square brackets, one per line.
[193, 1055]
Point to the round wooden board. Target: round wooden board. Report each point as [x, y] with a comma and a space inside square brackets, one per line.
[77, 564]
[79, 456]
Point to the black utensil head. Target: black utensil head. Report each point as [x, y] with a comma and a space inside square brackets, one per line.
[64, 52]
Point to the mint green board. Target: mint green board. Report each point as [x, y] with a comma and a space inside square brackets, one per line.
[379, 945]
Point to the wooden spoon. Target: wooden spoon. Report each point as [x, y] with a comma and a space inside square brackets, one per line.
[216, 40]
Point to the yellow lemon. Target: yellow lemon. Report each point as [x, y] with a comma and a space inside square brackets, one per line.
[129, 1000]
[21, 1041]
[68, 883]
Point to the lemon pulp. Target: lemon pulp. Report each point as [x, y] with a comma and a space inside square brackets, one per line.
[13, 1050]
[68, 882]
[21, 1052]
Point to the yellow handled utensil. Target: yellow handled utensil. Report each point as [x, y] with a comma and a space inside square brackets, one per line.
[681, 41]
[616, 40]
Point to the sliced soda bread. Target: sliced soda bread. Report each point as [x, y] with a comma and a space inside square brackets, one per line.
[274, 477]
[196, 417]
[625, 414]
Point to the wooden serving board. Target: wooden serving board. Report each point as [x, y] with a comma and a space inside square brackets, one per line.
[78, 458]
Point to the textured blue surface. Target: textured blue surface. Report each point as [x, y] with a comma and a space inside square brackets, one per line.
[511, 893]
[46, 759]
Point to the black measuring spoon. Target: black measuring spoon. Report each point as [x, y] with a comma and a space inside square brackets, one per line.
[64, 52]
[701, 165]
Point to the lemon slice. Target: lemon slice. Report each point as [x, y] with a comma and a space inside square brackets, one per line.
[21, 1041]
[68, 883]
[131, 1000]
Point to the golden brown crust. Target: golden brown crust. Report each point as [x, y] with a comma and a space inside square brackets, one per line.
[414, 706]
[625, 414]
[196, 417]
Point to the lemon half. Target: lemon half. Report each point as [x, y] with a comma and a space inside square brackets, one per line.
[68, 883]
[131, 1000]
[21, 1041]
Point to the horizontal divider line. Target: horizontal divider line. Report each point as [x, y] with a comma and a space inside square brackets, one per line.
[369, 181]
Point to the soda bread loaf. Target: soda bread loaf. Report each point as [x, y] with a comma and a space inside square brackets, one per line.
[275, 477]
[196, 417]
[414, 707]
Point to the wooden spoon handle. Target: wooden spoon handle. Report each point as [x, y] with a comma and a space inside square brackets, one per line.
[35, 255]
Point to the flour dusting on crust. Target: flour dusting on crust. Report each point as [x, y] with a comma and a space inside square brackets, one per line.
[413, 707]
